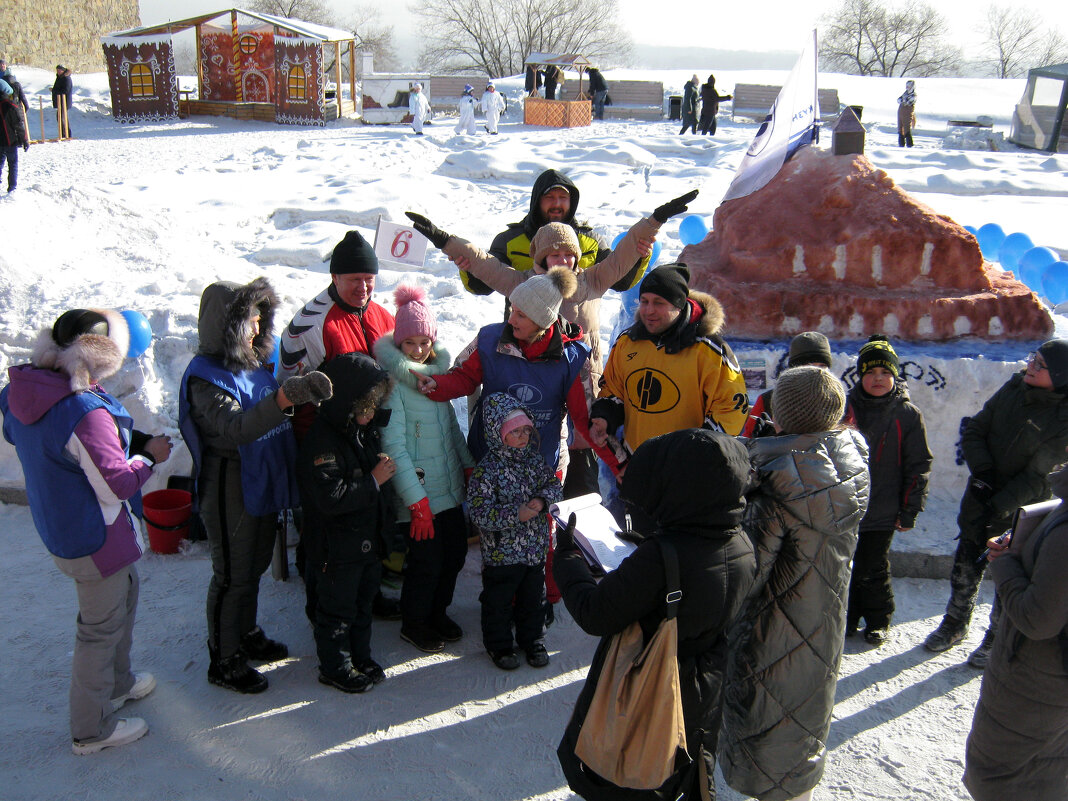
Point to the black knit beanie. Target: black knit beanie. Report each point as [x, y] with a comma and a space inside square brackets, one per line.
[878, 352]
[1055, 354]
[807, 399]
[671, 282]
[809, 347]
[353, 254]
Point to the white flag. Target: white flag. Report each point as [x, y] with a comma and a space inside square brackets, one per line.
[790, 126]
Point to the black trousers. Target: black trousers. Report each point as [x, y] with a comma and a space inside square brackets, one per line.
[871, 594]
[689, 120]
[708, 124]
[432, 567]
[500, 585]
[976, 527]
[342, 598]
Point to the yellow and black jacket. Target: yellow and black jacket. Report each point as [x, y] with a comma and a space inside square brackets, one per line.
[512, 245]
[686, 377]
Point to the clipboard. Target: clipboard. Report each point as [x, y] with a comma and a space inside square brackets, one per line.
[596, 531]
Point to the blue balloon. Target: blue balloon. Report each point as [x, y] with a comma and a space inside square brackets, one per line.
[140, 333]
[617, 240]
[1032, 264]
[1014, 246]
[1055, 282]
[692, 229]
[990, 237]
[971, 229]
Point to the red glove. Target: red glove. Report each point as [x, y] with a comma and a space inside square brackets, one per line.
[422, 527]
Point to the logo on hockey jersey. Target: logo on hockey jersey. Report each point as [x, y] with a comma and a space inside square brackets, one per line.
[652, 391]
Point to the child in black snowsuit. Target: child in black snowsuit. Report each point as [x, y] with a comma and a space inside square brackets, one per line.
[899, 464]
[1010, 446]
[342, 473]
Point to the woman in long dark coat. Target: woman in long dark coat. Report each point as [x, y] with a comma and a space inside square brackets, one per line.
[1018, 746]
[716, 569]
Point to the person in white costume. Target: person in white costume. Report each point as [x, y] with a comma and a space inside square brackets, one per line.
[418, 107]
[467, 111]
[493, 105]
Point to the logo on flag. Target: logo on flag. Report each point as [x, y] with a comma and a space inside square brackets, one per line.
[789, 126]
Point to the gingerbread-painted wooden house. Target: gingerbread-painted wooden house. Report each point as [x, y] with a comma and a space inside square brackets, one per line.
[249, 65]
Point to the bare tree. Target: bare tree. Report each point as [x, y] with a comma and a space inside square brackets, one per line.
[495, 36]
[315, 11]
[1017, 39]
[865, 37]
[363, 21]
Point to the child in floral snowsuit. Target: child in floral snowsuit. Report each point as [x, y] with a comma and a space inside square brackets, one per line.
[510, 492]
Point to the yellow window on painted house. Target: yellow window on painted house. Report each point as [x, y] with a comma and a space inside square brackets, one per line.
[248, 44]
[141, 84]
[298, 85]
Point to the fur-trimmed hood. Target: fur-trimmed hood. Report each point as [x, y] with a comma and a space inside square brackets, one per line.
[705, 321]
[360, 387]
[224, 325]
[90, 357]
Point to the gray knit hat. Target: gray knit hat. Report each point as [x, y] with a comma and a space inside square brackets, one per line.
[540, 296]
[807, 399]
[809, 347]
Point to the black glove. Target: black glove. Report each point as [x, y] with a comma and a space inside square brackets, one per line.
[315, 387]
[764, 427]
[981, 486]
[565, 537]
[437, 237]
[138, 440]
[677, 206]
[25, 146]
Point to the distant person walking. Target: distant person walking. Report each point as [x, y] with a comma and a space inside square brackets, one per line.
[466, 123]
[7, 75]
[689, 105]
[493, 104]
[63, 87]
[418, 107]
[599, 89]
[710, 99]
[906, 115]
[554, 77]
[12, 135]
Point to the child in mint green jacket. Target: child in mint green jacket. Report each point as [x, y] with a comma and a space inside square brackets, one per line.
[425, 441]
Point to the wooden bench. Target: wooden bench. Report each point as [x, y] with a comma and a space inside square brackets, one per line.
[631, 100]
[980, 123]
[754, 101]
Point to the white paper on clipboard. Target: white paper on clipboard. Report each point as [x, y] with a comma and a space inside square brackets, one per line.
[595, 531]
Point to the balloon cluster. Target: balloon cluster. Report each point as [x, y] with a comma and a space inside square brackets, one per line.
[1040, 268]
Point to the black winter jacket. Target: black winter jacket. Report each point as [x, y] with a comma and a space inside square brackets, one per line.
[710, 99]
[346, 514]
[716, 566]
[899, 459]
[1015, 440]
[12, 131]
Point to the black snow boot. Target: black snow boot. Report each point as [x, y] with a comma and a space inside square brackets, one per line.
[950, 632]
[234, 673]
[261, 648]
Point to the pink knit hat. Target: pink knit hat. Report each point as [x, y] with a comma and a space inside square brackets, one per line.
[414, 318]
[517, 419]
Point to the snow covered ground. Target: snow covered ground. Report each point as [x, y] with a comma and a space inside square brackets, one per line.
[144, 216]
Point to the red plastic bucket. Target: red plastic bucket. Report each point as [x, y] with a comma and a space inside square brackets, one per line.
[166, 514]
